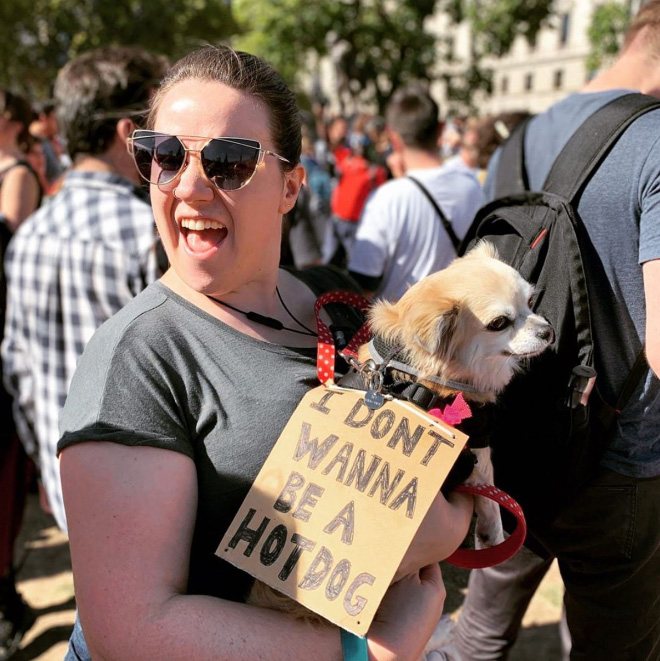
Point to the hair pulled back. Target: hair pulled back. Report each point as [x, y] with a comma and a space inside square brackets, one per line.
[245, 73]
[17, 109]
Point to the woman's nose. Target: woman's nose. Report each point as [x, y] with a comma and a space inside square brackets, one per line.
[193, 183]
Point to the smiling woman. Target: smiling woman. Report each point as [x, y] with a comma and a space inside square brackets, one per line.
[180, 397]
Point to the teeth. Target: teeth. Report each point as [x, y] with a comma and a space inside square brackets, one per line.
[197, 225]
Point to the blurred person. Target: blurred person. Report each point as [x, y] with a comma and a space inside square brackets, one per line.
[20, 188]
[306, 224]
[379, 142]
[180, 397]
[467, 157]
[449, 139]
[357, 178]
[493, 131]
[20, 195]
[85, 253]
[400, 238]
[607, 539]
[44, 129]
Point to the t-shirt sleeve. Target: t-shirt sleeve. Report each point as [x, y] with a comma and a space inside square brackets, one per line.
[124, 391]
[649, 224]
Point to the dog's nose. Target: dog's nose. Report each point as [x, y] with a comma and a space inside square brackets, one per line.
[546, 333]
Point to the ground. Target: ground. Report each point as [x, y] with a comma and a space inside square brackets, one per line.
[45, 580]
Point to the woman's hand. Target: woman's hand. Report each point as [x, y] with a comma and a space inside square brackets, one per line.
[441, 532]
[407, 616]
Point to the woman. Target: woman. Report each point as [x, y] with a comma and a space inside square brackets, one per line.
[20, 189]
[180, 397]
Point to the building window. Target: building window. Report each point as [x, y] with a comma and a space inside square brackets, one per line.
[532, 43]
[564, 29]
[504, 84]
[558, 79]
[529, 82]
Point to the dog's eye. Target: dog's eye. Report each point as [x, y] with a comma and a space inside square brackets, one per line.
[499, 324]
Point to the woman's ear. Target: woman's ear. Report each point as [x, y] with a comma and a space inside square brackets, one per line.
[292, 182]
[125, 127]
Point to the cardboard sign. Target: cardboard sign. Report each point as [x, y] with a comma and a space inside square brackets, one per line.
[338, 501]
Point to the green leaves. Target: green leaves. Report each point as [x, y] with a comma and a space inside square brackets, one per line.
[37, 37]
[375, 45]
[608, 23]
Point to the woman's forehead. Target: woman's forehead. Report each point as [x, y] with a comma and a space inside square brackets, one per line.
[210, 108]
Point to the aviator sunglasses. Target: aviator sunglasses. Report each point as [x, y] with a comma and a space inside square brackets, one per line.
[229, 163]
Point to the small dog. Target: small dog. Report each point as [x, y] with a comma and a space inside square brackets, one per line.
[468, 328]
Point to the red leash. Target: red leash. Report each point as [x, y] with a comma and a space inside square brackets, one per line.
[325, 367]
[493, 555]
[325, 357]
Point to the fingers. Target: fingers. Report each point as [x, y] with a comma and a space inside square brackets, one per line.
[432, 575]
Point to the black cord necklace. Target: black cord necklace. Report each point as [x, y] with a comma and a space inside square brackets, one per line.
[276, 324]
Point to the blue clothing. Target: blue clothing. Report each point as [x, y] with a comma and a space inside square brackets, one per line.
[620, 209]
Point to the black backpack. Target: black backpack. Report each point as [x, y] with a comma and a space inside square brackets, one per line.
[546, 442]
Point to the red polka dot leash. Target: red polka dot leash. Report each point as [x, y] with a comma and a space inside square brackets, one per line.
[325, 357]
[494, 555]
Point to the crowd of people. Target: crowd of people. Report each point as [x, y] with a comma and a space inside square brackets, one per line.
[158, 298]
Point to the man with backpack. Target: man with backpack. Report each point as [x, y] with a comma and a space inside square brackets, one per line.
[411, 226]
[605, 533]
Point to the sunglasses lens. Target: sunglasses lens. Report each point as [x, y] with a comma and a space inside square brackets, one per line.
[230, 164]
[158, 158]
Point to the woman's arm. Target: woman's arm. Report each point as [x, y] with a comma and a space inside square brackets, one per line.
[131, 513]
[19, 195]
[441, 532]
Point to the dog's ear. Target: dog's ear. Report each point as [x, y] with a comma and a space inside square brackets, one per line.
[385, 320]
[446, 329]
[436, 334]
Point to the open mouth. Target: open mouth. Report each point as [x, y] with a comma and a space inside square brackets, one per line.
[202, 235]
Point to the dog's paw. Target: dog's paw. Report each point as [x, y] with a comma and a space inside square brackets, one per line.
[488, 531]
[488, 536]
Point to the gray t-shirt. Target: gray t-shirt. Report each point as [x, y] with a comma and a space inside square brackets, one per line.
[620, 209]
[165, 374]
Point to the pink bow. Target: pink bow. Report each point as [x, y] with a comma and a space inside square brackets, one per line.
[454, 412]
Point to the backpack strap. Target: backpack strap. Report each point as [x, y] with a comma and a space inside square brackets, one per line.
[589, 145]
[445, 222]
[511, 175]
[572, 169]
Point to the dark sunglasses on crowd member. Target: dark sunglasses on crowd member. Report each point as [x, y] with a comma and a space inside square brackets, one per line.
[229, 163]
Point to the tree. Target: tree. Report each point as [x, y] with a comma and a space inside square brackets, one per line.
[375, 45]
[37, 37]
[608, 23]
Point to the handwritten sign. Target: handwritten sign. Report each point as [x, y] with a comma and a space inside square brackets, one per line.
[338, 501]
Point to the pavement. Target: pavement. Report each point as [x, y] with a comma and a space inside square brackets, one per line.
[46, 583]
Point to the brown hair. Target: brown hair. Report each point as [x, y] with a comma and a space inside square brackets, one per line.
[17, 109]
[493, 131]
[414, 115]
[100, 87]
[647, 16]
[245, 73]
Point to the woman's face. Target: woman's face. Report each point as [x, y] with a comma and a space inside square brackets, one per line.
[242, 246]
